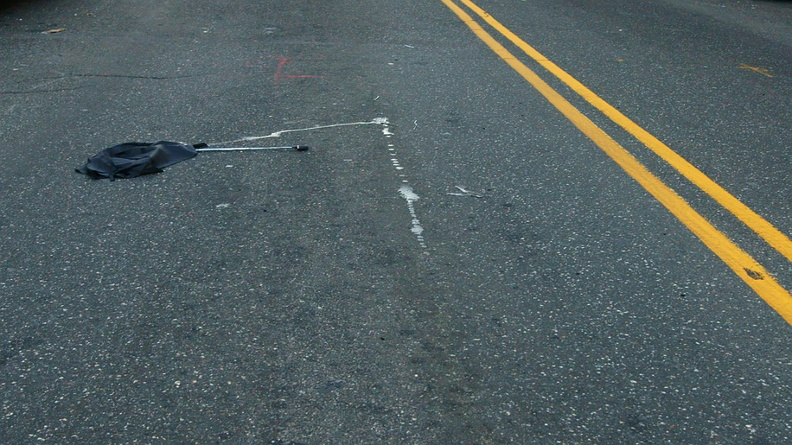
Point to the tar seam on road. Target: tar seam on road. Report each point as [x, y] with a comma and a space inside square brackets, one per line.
[747, 268]
[772, 236]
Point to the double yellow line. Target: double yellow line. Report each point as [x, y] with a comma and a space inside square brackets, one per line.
[748, 269]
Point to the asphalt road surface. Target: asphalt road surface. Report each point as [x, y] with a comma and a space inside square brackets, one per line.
[465, 255]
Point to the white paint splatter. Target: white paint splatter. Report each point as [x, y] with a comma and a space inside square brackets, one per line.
[411, 197]
[407, 193]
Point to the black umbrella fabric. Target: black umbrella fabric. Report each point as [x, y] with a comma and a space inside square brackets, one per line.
[134, 159]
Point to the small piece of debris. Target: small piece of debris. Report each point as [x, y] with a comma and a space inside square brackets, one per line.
[753, 274]
[54, 31]
[758, 69]
[465, 192]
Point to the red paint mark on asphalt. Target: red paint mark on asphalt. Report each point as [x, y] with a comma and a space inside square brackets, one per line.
[282, 62]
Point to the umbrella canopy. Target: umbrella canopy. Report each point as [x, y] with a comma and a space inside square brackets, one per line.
[136, 158]
[141, 158]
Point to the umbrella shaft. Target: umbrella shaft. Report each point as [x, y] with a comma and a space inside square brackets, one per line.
[245, 148]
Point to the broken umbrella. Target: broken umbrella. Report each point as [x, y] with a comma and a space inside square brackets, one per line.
[134, 159]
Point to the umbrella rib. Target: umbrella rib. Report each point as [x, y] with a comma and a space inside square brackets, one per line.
[285, 147]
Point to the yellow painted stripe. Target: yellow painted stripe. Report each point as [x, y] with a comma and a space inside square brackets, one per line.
[772, 236]
[739, 261]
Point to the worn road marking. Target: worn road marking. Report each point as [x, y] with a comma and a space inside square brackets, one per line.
[771, 235]
[741, 263]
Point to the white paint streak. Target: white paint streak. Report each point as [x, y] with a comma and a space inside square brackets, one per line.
[416, 227]
[376, 121]
[411, 197]
[407, 193]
